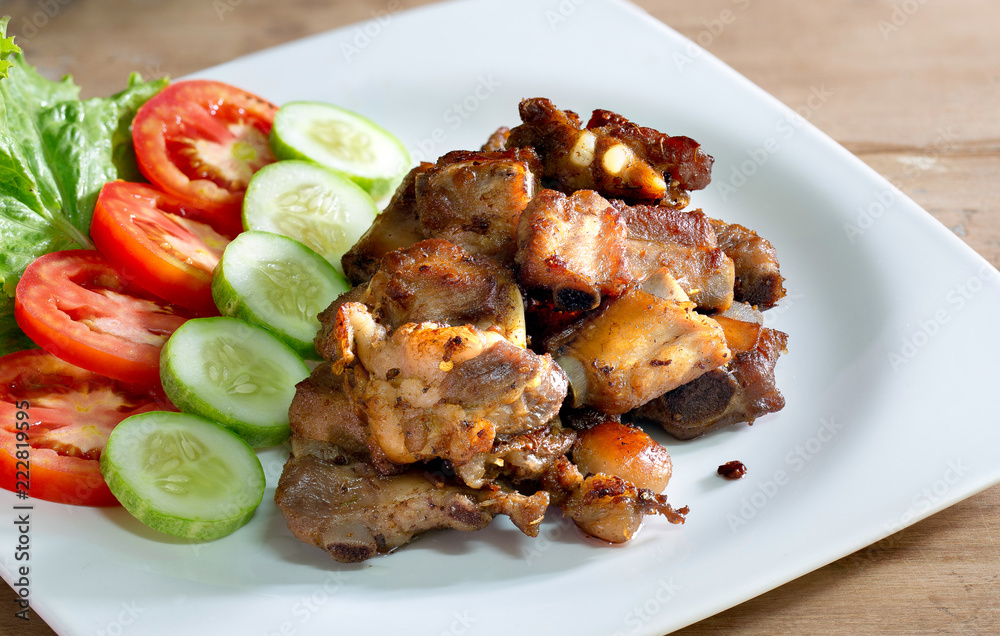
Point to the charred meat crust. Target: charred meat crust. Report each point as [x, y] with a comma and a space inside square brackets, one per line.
[741, 391]
[758, 277]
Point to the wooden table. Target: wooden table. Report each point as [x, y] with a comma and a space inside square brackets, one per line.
[916, 90]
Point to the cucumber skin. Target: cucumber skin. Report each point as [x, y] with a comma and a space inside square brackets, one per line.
[174, 526]
[255, 435]
[377, 187]
[229, 304]
[235, 308]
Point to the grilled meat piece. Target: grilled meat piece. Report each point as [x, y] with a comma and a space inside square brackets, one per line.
[758, 278]
[497, 141]
[583, 248]
[437, 281]
[397, 226]
[524, 457]
[580, 159]
[635, 348]
[474, 199]
[684, 244]
[613, 448]
[680, 157]
[430, 390]
[605, 506]
[741, 391]
[347, 508]
[573, 246]
[611, 155]
[323, 410]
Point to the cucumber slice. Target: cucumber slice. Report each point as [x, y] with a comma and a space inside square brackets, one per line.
[182, 474]
[276, 282]
[234, 373]
[340, 139]
[313, 205]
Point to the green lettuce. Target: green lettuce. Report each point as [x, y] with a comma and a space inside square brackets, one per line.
[56, 151]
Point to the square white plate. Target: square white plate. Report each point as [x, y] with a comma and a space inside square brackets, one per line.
[889, 377]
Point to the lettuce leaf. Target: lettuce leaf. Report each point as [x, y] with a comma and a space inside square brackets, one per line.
[56, 152]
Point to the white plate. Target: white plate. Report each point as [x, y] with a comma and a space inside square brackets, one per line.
[889, 377]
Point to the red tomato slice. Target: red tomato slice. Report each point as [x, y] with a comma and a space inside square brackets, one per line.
[77, 306]
[159, 242]
[55, 419]
[201, 141]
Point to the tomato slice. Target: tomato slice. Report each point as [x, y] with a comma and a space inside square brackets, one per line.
[55, 419]
[160, 241]
[201, 141]
[77, 306]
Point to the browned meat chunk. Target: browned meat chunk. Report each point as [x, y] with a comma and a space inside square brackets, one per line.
[583, 248]
[524, 457]
[612, 155]
[348, 509]
[635, 348]
[475, 199]
[613, 448]
[684, 244]
[437, 281]
[322, 410]
[435, 391]
[398, 226]
[741, 391]
[680, 157]
[605, 506]
[758, 279]
[573, 246]
[497, 141]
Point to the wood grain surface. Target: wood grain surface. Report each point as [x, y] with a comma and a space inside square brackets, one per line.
[915, 91]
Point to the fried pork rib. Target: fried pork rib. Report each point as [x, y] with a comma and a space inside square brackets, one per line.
[437, 281]
[573, 246]
[583, 248]
[396, 227]
[637, 347]
[430, 390]
[431, 411]
[472, 199]
[758, 279]
[605, 506]
[353, 512]
[741, 391]
[611, 155]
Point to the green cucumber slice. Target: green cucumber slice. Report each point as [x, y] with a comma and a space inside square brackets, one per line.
[182, 474]
[276, 282]
[313, 205]
[343, 140]
[234, 373]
